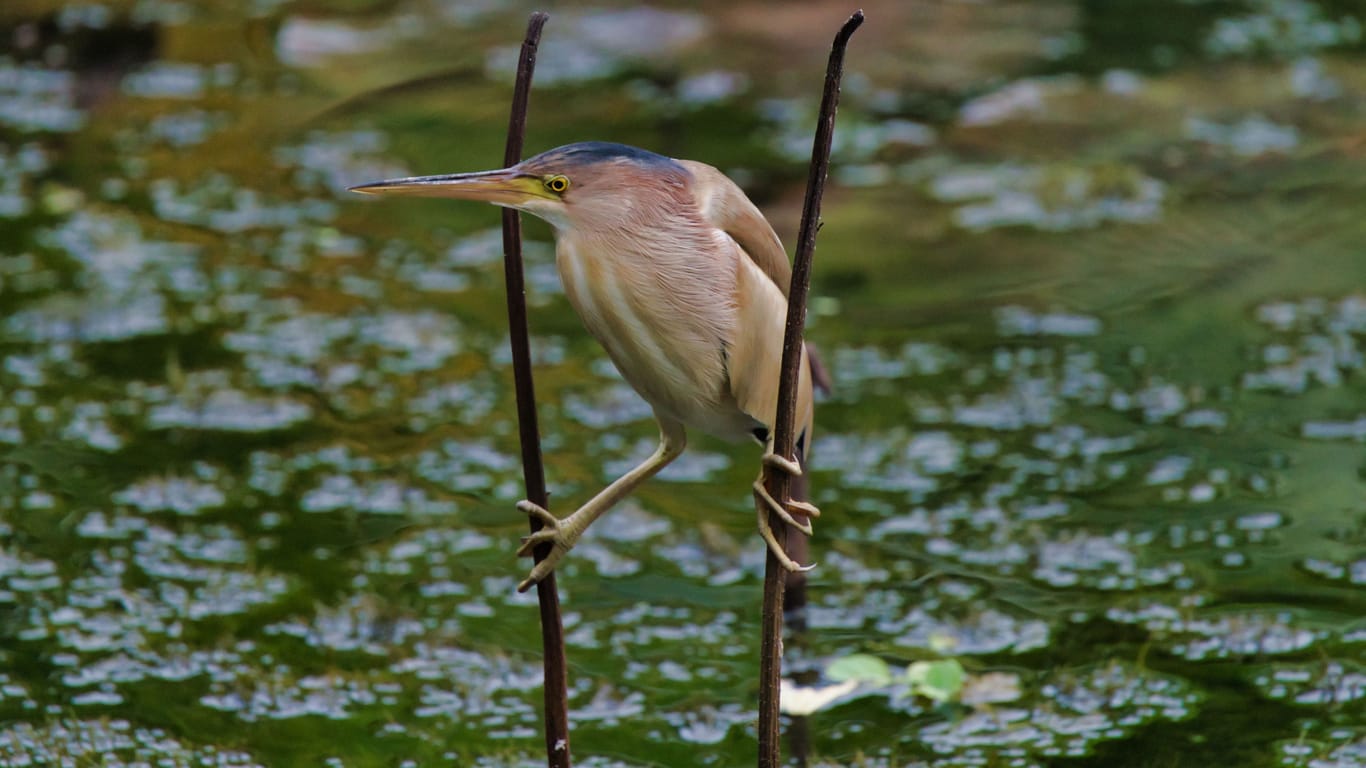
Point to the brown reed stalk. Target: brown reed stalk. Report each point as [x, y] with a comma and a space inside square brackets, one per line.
[770, 660]
[533, 471]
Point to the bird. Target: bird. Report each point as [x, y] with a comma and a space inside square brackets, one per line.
[683, 282]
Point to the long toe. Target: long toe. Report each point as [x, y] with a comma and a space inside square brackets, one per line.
[801, 507]
[786, 562]
[787, 465]
[779, 510]
[538, 512]
[542, 569]
[532, 541]
[766, 531]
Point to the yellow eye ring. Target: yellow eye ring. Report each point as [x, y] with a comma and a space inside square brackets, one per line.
[557, 184]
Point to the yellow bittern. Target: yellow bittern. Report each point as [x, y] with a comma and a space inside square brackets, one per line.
[684, 283]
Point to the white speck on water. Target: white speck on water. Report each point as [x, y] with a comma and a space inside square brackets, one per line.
[1252, 136]
[183, 496]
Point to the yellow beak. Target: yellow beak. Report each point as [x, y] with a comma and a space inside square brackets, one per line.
[507, 187]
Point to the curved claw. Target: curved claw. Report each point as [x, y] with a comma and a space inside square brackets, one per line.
[552, 533]
[542, 570]
[787, 465]
[550, 528]
[531, 541]
[786, 562]
[539, 512]
[783, 511]
[766, 531]
[810, 510]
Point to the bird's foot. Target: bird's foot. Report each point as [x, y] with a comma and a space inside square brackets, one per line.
[789, 511]
[766, 530]
[560, 538]
[792, 468]
[797, 514]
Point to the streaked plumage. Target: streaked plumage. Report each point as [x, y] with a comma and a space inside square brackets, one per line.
[679, 277]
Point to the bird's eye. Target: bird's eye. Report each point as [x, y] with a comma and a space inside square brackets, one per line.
[557, 184]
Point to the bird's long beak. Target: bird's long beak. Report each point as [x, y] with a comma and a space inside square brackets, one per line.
[508, 187]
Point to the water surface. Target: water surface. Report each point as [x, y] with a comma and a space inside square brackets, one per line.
[1092, 282]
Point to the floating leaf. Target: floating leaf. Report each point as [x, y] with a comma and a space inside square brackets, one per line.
[860, 668]
[937, 680]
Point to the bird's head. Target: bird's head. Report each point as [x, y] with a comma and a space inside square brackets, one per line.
[588, 182]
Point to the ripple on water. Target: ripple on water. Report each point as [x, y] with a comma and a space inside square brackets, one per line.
[33, 98]
[1349, 571]
[176, 663]
[18, 165]
[276, 694]
[90, 319]
[328, 162]
[1080, 709]
[22, 573]
[1207, 634]
[1346, 750]
[229, 410]
[1282, 28]
[913, 462]
[1107, 562]
[473, 689]
[90, 425]
[465, 466]
[178, 80]
[309, 42]
[127, 283]
[110, 607]
[14, 694]
[219, 203]
[600, 43]
[1249, 137]
[427, 556]
[606, 406]
[1022, 321]
[1320, 344]
[1336, 430]
[1022, 98]
[979, 631]
[376, 496]
[1327, 683]
[708, 724]
[465, 401]
[293, 350]
[1049, 198]
[112, 743]
[361, 625]
[25, 274]
[855, 367]
[181, 495]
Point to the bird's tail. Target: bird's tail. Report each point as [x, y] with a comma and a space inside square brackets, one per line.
[820, 375]
[797, 545]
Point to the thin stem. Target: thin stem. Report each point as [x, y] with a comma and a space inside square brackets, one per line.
[770, 662]
[552, 629]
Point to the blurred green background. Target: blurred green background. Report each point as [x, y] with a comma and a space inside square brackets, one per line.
[1092, 283]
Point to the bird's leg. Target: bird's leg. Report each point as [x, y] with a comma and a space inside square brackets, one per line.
[785, 512]
[563, 534]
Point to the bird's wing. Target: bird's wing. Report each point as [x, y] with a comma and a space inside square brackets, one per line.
[725, 206]
[755, 351]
